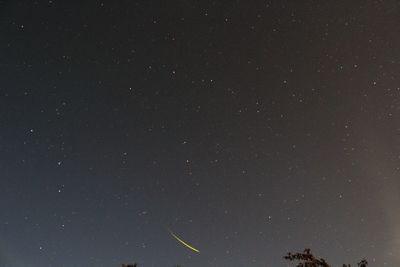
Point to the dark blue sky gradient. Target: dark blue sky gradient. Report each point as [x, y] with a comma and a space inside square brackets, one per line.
[249, 128]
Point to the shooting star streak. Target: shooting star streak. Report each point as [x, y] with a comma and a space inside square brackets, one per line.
[183, 242]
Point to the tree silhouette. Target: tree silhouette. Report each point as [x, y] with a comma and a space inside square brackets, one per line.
[304, 259]
[307, 259]
[362, 263]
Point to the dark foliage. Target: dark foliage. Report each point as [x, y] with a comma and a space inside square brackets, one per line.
[307, 259]
[304, 259]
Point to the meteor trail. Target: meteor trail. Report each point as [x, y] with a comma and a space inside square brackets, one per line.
[183, 242]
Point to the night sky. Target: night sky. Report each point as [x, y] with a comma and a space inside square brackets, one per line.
[248, 128]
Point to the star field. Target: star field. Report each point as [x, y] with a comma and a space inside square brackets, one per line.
[248, 128]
